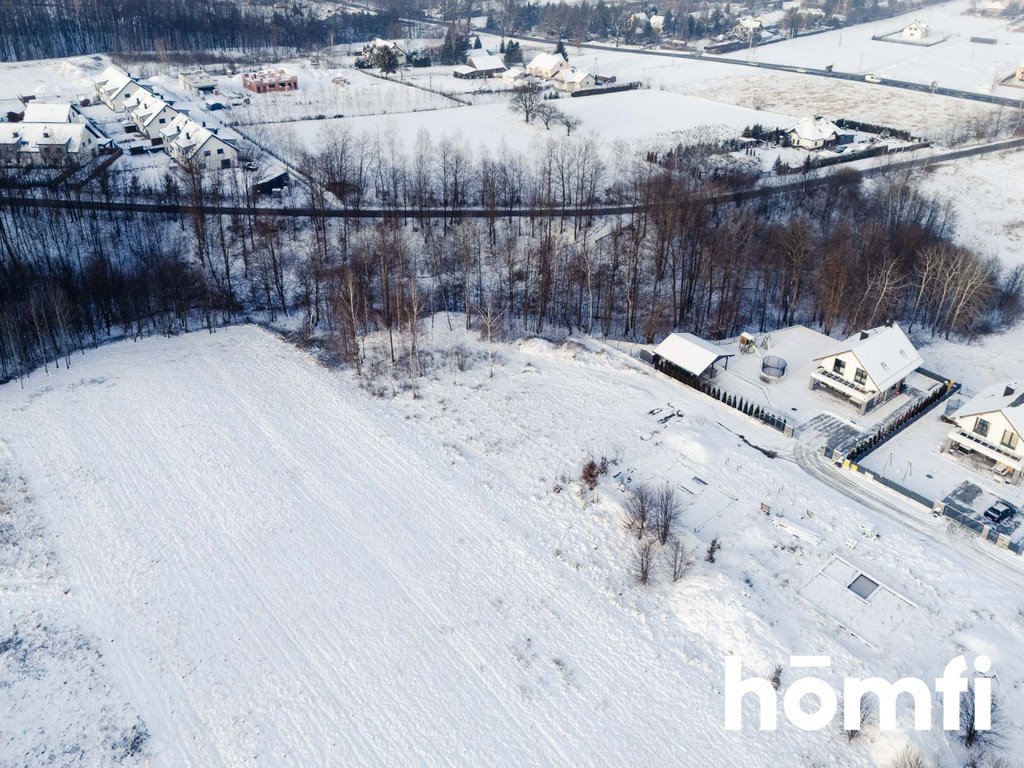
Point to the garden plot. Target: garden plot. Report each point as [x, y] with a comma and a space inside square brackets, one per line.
[329, 93]
[954, 63]
[623, 124]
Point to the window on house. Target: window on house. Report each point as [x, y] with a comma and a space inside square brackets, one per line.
[206, 153]
[838, 366]
[861, 376]
[981, 427]
[220, 151]
[1010, 439]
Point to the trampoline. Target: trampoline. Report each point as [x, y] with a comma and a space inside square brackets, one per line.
[773, 368]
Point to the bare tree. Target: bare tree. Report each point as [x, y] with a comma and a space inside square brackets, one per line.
[525, 100]
[642, 562]
[978, 740]
[639, 506]
[666, 510]
[910, 758]
[679, 559]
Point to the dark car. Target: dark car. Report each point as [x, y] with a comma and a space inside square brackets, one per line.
[1000, 511]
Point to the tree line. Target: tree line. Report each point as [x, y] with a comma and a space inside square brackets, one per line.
[838, 256]
[56, 28]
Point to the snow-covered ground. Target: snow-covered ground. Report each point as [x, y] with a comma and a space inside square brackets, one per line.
[956, 62]
[282, 569]
[626, 122]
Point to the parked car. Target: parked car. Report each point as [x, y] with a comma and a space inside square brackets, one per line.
[1000, 511]
[872, 78]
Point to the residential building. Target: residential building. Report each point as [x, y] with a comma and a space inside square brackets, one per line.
[916, 30]
[118, 90]
[573, 79]
[990, 425]
[47, 144]
[151, 116]
[192, 144]
[197, 83]
[37, 111]
[869, 368]
[480, 64]
[813, 133]
[402, 53]
[546, 65]
[269, 81]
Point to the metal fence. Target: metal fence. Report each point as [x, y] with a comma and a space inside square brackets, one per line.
[709, 388]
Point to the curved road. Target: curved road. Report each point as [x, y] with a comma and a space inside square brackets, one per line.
[720, 59]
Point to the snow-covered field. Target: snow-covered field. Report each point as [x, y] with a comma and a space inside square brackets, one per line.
[281, 569]
[627, 122]
[980, 190]
[954, 63]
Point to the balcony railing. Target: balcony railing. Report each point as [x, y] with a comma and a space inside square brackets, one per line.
[824, 373]
[976, 440]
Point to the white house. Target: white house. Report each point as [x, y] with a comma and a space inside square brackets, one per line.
[546, 65]
[990, 425]
[192, 144]
[513, 75]
[152, 115]
[916, 30]
[573, 79]
[480, 63]
[869, 368]
[46, 144]
[813, 133]
[117, 89]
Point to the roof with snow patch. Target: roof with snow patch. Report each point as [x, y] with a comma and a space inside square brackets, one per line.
[885, 353]
[691, 353]
[1006, 398]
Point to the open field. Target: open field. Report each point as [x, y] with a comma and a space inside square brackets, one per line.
[286, 571]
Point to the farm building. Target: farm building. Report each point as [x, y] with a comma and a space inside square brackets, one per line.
[269, 81]
[916, 30]
[689, 354]
[813, 133]
[546, 65]
[869, 368]
[573, 79]
[480, 64]
[990, 425]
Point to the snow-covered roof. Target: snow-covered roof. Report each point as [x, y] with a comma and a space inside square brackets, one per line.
[691, 353]
[922, 25]
[484, 61]
[513, 74]
[815, 128]
[11, 105]
[463, 69]
[546, 61]
[885, 353]
[1007, 398]
[573, 75]
[47, 112]
[29, 137]
[150, 109]
[112, 80]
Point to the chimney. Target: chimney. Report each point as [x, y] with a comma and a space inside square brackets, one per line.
[1008, 391]
[888, 323]
[864, 335]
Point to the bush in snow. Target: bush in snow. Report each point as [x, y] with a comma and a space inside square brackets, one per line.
[713, 550]
[592, 472]
[910, 758]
